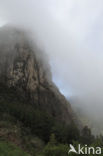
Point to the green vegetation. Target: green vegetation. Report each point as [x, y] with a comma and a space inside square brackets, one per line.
[36, 131]
[40, 123]
[8, 149]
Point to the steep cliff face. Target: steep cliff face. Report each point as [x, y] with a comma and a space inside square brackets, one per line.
[22, 68]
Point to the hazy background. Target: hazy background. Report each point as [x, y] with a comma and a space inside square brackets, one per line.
[71, 32]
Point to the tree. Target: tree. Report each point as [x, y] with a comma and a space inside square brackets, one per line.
[86, 136]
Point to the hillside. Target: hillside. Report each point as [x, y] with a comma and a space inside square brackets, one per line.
[7, 149]
[34, 116]
[24, 68]
[31, 106]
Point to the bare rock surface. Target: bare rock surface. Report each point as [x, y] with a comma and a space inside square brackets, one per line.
[21, 68]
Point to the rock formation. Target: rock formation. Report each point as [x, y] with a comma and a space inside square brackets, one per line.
[22, 68]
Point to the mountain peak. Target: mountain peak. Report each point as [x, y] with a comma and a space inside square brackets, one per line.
[21, 68]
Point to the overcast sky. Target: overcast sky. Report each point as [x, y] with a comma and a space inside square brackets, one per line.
[71, 32]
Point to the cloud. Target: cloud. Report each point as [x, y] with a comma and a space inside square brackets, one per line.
[71, 32]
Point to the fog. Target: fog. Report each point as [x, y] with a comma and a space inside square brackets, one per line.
[71, 33]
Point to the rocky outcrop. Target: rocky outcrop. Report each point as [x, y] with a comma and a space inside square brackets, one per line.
[22, 68]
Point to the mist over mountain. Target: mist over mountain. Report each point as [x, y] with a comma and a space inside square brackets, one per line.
[51, 77]
[85, 116]
[71, 34]
[22, 68]
[32, 109]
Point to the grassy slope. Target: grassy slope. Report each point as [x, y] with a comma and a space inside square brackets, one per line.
[7, 149]
[12, 128]
[28, 127]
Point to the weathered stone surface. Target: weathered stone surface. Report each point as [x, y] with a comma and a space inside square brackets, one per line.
[21, 68]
